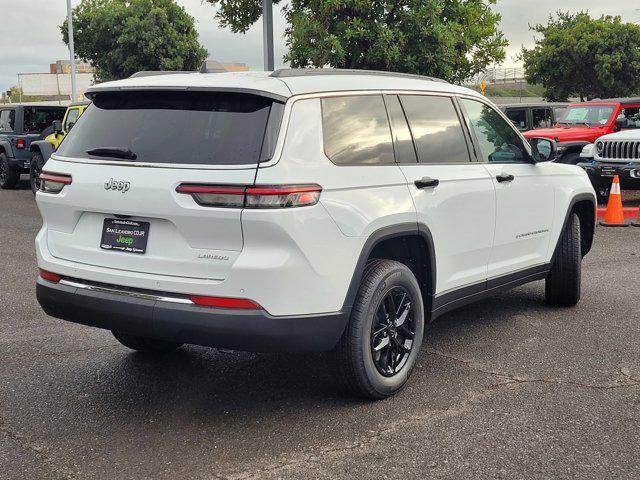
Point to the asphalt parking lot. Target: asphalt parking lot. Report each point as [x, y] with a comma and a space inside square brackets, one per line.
[506, 388]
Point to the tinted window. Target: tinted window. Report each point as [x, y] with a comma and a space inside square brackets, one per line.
[204, 128]
[436, 129]
[541, 118]
[37, 119]
[72, 118]
[498, 141]
[630, 117]
[356, 130]
[7, 120]
[402, 141]
[518, 118]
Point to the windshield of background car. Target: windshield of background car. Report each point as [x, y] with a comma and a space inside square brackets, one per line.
[201, 128]
[588, 115]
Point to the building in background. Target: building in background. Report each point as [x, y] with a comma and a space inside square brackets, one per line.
[64, 66]
[236, 67]
[56, 85]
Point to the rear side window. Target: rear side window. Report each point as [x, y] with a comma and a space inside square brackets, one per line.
[518, 118]
[436, 129]
[356, 130]
[200, 128]
[402, 141]
[7, 120]
[541, 117]
[37, 119]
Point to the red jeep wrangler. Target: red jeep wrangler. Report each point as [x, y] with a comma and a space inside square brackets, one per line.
[583, 123]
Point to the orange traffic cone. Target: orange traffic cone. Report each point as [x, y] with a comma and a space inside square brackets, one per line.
[614, 216]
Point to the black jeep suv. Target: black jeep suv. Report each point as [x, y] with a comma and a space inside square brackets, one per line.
[19, 126]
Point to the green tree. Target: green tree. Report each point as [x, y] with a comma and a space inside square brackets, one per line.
[121, 37]
[577, 55]
[450, 39]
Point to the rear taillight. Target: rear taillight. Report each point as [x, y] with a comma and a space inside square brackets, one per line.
[49, 276]
[20, 144]
[264, 196]
[215, 196]
[225, 302]
[53, 182]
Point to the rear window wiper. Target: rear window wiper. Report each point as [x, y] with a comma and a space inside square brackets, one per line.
[114, 152]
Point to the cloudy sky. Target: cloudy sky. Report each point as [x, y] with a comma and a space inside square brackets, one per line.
[33, 49]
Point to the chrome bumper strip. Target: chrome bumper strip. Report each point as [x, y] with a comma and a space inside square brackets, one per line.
[127, 293]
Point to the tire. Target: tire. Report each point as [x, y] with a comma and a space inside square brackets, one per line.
[355, 362]
[562, 288]
[8, 176]
[602, 194]
[37, 162]
[570, 159]
[145, 345]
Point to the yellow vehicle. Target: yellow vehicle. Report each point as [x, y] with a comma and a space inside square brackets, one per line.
[42, 149]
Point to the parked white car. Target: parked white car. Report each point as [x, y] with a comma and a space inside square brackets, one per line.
[301, 210]
[614, 154]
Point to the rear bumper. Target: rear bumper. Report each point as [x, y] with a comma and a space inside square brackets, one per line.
[21, 164]
[249, 330]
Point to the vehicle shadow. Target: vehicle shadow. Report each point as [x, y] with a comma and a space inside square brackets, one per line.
[240, 383]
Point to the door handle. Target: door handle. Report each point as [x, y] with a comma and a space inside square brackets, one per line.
[427, 182]
[504, 177]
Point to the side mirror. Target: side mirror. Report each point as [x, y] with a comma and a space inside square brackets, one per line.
[70, 126]
[621, 123]
[57, 126]
[543, 149]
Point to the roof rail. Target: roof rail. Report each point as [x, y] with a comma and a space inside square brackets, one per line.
[153, 73]
[212, 66]
[305, 72]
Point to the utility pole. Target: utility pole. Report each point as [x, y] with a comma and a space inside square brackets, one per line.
[72, 54]
[267, 34]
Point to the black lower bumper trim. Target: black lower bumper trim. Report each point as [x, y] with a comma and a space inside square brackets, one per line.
[248, 330]
[602, 173]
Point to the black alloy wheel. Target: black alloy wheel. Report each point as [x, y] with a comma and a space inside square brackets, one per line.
[393, 332]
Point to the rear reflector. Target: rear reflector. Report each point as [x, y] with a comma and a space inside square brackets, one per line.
[49, 276]
[223, 302]
[53, 182]
[240, 196]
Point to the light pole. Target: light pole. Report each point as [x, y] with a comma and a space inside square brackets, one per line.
[267, 33]
[72, 55]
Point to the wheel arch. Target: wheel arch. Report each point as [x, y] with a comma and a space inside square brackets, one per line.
[5, 147]
[583, 205]
[571, 148]
[408, 243]
[42, 147]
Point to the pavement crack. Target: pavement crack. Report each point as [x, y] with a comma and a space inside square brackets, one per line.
[37, 450]
[508, 379]
[363, 444]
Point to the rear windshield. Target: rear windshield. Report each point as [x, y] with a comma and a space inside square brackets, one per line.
[204, 128]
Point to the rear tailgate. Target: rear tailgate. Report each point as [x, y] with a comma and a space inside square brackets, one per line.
[184, 238]
[127, 155]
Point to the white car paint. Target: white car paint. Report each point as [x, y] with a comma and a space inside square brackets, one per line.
[301, 261]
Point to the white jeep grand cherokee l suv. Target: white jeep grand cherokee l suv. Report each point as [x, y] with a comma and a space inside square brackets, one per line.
[301, 210]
